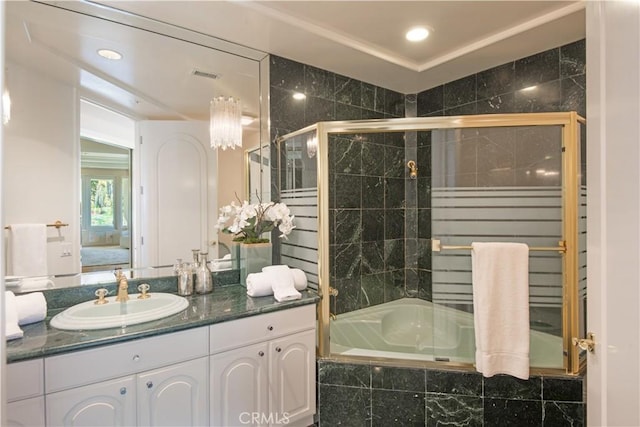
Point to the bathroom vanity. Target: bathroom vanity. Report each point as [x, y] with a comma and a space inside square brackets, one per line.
[227, 360]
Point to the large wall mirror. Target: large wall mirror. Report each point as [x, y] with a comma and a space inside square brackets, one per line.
[117, 150]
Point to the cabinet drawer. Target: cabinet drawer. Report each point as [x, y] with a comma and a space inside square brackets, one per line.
[237, 333]
[27, 412]
[98, 364]
[25, 379]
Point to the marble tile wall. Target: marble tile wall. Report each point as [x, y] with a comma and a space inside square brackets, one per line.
[550, 81]
[366, 175]
[558, 75]
[373, 395]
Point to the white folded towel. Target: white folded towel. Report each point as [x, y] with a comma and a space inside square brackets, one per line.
[35, 283]
[31, 308]
[28, 249]
[299, 277]
[11, 328]
[222, 265]
[500, 274]
[282, 283]
[258, 285]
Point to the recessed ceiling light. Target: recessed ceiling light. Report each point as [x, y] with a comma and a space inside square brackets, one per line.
[529, 88]
[417, 34]
[299, 96]
[110, 54]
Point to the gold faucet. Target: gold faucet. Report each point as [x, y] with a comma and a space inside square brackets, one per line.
[123, 286]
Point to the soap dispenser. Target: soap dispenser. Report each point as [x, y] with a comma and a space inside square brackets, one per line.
[204, 283]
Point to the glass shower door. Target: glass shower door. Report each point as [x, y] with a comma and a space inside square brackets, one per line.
[496, 184]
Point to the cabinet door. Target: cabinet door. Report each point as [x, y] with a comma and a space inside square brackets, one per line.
[239, 387]
[292, 373]
[26, 413]
[110, 403]
[175, 396]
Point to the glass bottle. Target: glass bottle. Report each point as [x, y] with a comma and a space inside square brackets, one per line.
[185, 279]
[204, 283]
[177, 266]
[195, 257]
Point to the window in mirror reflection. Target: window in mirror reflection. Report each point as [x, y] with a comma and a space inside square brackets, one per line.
[101, 195]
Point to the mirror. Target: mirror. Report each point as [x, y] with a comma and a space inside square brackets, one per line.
[163, 84]
[257, 164]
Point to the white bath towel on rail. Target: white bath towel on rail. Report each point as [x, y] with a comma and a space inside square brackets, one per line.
[28, 249]
[500, 274]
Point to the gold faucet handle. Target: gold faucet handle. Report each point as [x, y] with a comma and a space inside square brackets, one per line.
[143, 289]
[101, 293]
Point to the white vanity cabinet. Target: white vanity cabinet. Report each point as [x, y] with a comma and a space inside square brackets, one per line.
[263, 369]
[257, 370]
[152, 381]
[25, 393]
[174, 396]
[107, 403]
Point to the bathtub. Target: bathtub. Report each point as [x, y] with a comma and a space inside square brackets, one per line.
[411, 328]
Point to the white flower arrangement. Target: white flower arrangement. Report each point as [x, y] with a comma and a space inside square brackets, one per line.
[251, 221]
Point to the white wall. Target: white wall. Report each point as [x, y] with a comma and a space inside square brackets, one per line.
[3, 385]
[613, 212]
[41, 169]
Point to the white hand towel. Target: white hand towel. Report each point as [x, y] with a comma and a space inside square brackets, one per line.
[258, 285]
[11, 328]
[35, 283]
[31, 308]
[282, 283]
[28, 249]
[299, 277]
[500, 274]
[222, 265]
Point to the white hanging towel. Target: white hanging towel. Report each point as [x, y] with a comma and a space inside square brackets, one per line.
[28, 249]
[500, 274]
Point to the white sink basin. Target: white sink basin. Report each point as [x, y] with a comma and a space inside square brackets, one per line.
[88, 315]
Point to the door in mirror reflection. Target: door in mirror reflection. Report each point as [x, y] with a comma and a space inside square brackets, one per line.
[178, 191]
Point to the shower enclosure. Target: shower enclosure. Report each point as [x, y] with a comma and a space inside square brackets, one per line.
[386, 211]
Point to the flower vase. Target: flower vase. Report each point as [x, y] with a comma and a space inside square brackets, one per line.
[253, 257]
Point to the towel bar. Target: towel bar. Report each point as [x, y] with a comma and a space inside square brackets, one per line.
[436, 246]
[56, 224]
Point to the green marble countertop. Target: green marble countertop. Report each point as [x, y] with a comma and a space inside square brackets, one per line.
[224, 304]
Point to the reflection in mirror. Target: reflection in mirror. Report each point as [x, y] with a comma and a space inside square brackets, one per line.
[52, 64]
[106, 139]
[258, 178]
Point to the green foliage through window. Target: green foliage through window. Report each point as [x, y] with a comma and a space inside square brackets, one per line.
[101, 202]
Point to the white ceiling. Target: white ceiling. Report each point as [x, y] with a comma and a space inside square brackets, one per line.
[365, 39]
[360, 39]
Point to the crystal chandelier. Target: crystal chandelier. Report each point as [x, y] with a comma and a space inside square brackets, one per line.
[225, 127]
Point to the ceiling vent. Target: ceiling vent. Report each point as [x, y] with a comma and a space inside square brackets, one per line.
[206, 74]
